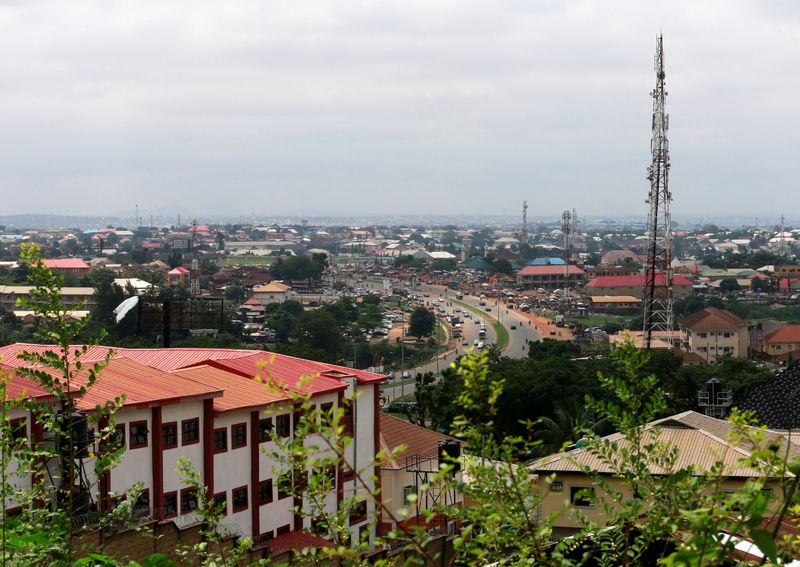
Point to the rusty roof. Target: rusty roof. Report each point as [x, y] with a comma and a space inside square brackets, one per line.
[418, 441]
[712, 319]
[701, 441]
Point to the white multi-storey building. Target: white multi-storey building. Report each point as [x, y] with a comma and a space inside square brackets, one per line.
[211, 406]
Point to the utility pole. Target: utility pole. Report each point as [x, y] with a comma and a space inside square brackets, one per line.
[657, 292]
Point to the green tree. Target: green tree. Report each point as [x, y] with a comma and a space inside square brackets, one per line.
[728, 285]
[234, 293]
[318, 329]
[422, 322]
[47, 534]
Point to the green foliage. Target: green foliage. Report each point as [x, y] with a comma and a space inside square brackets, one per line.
[422, 322]
[45, 534]
[298, 268]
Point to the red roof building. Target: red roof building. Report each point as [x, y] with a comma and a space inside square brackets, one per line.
[214, 407]
[634, 285]
[69, 266]
[550, 277]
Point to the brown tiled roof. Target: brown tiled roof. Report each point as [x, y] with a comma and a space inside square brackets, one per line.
[712, 319]
[419, 442]
[701, 441]
[789, 333]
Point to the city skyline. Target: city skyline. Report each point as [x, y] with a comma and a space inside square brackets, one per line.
[459, 108]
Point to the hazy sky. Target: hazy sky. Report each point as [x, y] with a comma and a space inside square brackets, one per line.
[311, 107]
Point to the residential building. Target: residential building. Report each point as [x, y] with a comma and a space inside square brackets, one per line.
[615, 302]
[179, 275]
[412, 471]
[634, 286]
[211, 406]
[699, 440]
[783, 342]
[550, 277]
[713, 332]
[71, 266]
[70, 296]
[273, 292]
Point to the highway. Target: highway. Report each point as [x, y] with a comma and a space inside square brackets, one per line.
[516, 348]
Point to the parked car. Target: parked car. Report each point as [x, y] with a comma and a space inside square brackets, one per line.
[513, 327]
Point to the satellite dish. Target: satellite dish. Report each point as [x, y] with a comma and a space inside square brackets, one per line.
[123, 308]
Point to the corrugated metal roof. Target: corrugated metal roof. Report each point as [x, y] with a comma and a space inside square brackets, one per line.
[19, 387]
[549, 270]
[701, 441]
[142, 385]
[788, 333]
[240, 392]
[287, 373]
[712, 319]
[633, 281]
[418, 441]
[66, 263]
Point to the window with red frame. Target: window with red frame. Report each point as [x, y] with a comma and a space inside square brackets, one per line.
[188, 500]
[190, 431]
[264, 427]
[239, 499]
[141, 507]
[19, 430]
[283, 425]
[118, 437]
[138, 434]
[170, 504]
[347, 420]
[265, 491]
[221, 440]
[239, 435]
[221, 502]
[326, 413]
[169, 435]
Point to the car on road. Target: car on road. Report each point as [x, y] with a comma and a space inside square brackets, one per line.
[513, 327]
[488, 309]
[402, 407]
[465, 343]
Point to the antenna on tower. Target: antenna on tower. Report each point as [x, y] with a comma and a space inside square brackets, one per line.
[524, 227]
[566, 228]
[194, 281]
[657, 293]
[574, 232]
[781, 240]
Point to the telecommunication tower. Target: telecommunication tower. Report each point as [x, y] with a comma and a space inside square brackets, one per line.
[566, 228]
[574, 232]
[657, 293]
[524, 225]
[194, 279]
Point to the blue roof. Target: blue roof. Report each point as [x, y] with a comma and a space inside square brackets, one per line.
[546, 262]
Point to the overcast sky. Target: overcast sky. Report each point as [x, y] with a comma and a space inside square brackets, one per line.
[415, 106]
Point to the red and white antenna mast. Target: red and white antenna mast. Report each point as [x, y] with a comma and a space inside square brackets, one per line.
[657, 293]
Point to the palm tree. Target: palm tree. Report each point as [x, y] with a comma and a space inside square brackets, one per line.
[571, 420]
